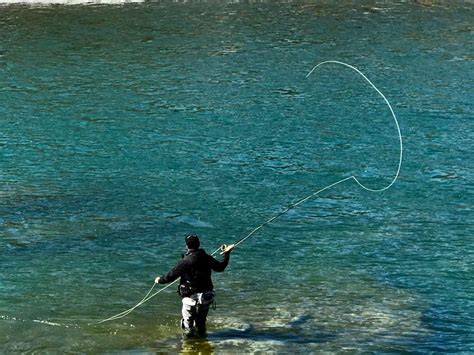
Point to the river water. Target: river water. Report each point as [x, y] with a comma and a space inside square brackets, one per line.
[123, 128]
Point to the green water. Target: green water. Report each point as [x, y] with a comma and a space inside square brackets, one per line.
[123, 128]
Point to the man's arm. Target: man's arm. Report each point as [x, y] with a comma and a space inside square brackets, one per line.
[172, 275]
[220, 266]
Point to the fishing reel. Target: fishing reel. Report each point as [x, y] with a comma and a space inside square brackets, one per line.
[227, 248]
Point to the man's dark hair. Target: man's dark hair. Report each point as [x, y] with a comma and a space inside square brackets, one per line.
[192, 241]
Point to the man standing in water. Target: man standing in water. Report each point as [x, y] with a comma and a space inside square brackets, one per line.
[195, 286]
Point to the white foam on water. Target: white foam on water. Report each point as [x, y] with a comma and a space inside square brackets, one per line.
[10, 318]
[49, 323]
[252, 345]
[67, 2]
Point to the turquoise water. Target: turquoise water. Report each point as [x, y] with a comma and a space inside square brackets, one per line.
[123, 128]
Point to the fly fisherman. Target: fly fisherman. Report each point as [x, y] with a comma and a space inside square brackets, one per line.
[195, 286]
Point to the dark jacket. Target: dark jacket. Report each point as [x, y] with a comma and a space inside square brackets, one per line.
[195, 270]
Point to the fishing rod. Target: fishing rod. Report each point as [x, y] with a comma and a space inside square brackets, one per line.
[149, 294]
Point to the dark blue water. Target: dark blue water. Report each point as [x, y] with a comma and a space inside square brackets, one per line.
[123, 128]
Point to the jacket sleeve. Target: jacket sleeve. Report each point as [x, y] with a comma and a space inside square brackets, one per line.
[219, 266]
[174, 273]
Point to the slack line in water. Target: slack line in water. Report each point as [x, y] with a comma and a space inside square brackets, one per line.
[149, 295]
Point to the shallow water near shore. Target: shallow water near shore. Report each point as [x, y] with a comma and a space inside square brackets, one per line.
[123, 128]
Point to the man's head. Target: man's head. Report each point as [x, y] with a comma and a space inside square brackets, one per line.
[192, 241]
